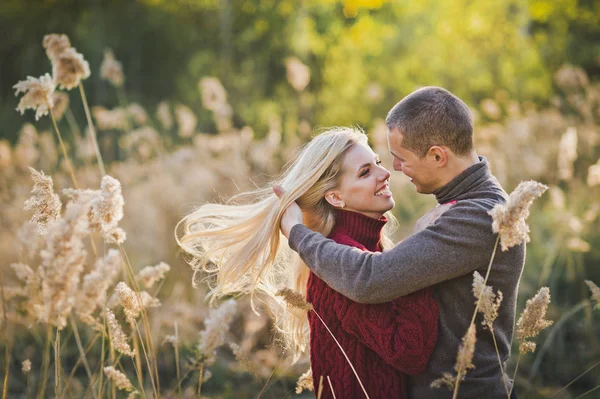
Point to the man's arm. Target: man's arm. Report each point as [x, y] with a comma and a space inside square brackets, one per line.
[459, 242]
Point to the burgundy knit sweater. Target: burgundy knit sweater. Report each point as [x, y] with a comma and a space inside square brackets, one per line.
[383, 341]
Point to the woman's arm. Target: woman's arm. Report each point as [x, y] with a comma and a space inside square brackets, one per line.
[403, 332]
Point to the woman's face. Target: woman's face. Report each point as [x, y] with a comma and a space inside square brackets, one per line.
[363, 185]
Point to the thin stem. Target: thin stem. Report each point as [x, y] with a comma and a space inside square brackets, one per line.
[500, 362]
[45, 362]
[177, 360]
[92, 130]
[147, 359]
[461, 372]
[320, 392]
[57, 364]
[575, 379]
[270, 376]
[81, 351]
[200, 378]
[515, 373]
[590, 391]
[330, 387]
[344, 353]
[73, 122]
[79, 361]
[147, 330]
[28, 386]
[64, 150]
[7, 350]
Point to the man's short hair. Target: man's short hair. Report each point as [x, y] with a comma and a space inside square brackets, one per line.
[432, 116]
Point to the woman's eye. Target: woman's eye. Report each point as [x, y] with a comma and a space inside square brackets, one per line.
[364, 173]
[378, 163]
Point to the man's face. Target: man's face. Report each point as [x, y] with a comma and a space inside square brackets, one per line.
[423, 172]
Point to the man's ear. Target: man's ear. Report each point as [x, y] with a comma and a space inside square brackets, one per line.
[438, 154]
[334, 199]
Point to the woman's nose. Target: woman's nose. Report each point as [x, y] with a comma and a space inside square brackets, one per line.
[385, 173]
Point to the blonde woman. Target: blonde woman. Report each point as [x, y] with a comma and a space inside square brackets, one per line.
[343, 192]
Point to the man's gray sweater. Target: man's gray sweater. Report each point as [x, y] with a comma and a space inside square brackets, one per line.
[445, 255]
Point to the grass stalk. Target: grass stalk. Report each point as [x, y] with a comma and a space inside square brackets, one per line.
[330, 387]
[320, 390]
[45, 363]
[92, 130]
[57, 364]
[176, 346]
[64, 149]
[79, 361]
[515, 373]
[147, 330]
[271, 376]
[460, 373]
[344, 353]
[575, 379]
[82, 352]
[7, 350]
[590, 391]
[147, 361]
[500, 363]
[200, 378]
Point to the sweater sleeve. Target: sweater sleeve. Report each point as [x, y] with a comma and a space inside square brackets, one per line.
[460, 241]
[403, 332]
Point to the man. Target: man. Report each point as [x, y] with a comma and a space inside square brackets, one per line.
[431, 139]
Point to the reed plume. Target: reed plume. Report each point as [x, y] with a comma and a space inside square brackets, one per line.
[44, 202]
[38, 95]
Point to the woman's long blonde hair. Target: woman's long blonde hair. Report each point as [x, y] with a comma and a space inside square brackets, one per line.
[239, 243]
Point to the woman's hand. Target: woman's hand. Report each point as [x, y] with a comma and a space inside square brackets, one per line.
[431, 216]
[292, 215]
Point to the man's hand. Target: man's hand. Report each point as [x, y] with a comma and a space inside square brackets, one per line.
[431, 216]
[292, 215]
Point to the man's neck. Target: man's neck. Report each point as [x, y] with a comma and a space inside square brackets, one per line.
[457, 166]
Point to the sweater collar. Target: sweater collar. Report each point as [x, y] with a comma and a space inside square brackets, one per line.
[362, 229]
[465, 181]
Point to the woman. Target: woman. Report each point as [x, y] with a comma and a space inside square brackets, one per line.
[343, 191]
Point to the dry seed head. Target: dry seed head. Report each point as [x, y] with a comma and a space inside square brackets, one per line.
[595, 292]
[69, 69]
[186, 121]
[305, 382]
[533, 318]
[26, 366]
[111, 69]
[38, 95]
[567, 154]
[129, 301]
[447, 380]
[294, 299]
[298, 74]
[215, 326]
[151, 274]
[62, 261]
[106, 119]
[117, 336]
[55, 44]
[163, 114]
[61, 103]
[489, 303]
[44, 202]
[214, 96]
[95, 284]
[120, 379]
[576, 244]
[107, 209]
[593, 176]
[464, 359]
[137, 113]
[509, 220]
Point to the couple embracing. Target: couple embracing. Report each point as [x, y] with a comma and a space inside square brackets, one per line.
[398, 312]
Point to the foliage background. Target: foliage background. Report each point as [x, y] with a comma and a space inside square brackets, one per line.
[503, 58]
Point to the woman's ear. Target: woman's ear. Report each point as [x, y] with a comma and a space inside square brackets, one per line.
[334, 199]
